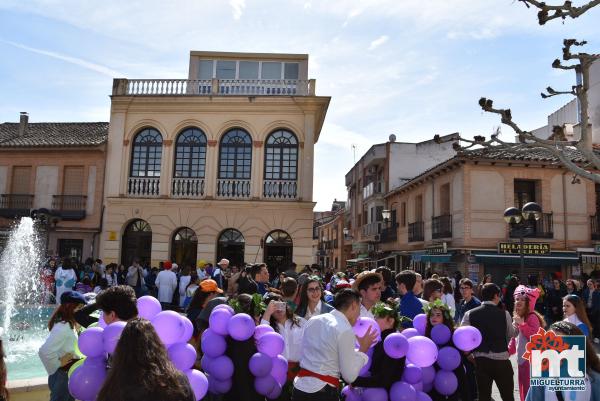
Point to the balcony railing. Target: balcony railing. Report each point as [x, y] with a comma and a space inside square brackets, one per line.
[188, 187]
[143, 186]
[278, 189]
[69, 207]
[233, 189]
[595, 226]
[209, 87]
[542, 228]
[15, 205]
[371, 189]
[389, 234]
[371, 229]
[441, 226]
[416, 231]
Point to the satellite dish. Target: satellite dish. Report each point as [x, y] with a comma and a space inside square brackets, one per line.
[392, 138]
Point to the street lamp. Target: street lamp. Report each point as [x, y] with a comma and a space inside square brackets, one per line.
[519, 222]
[386, 214]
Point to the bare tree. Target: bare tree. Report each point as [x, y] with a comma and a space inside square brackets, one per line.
[550, 12]
[557, 145]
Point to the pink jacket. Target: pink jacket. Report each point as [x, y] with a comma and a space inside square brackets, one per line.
[526, 329]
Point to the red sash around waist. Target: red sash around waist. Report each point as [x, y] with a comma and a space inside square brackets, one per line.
[334, 381]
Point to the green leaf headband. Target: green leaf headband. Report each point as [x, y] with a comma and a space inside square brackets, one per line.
[437, 304]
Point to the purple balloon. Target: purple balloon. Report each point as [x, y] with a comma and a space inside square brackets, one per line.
[241, 327]
[212, 344]
[148, 307]
[226, 307]
[445, 382]
[408, 333]
[271, 344]
[279, 369]
[428, 374]
[222, 368]
[262, 329]
[218, 320]
[427, 387]
[440, 334]
[412, 374]
[466, 338]
[375, 394]
[276, 392]
[448, 358]
[350, 394]
[90, 342]
[188, 330]
[260, 364]
[86, 380]
[421, 396]
[169, 326]
[264, 385]
[101, 322]
[402, 391]
[362, 325]
[198, 382]
[110, 338]
[395, 345]
[421, 351]
[418, 386]
[219, 386]
[183, 355]
[205, 363]
[420, 323]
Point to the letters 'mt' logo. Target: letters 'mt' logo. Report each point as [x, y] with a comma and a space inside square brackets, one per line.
[547, 354]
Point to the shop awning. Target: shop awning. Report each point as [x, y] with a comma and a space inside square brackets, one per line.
[437, 258]
[556, 259]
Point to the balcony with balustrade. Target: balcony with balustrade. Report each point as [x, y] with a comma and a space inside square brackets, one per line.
[213, 87]
[370, 230]
[390, 233]
[231, 188]
[143, 187]
[69, 207]
[441, 226]
[280, 189]
[190, 188]
[595, 227]
[542, 228]
[15, 205]
[416, 231]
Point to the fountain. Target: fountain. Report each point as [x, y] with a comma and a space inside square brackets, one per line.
[23, 315]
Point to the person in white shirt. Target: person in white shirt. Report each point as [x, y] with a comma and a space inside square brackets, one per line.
[166, 282]
[58, 351]
[448, 295]
[65, 278]
[291, 327]
[328, 350]
[184, 280]
[369, 285]
[312, 300]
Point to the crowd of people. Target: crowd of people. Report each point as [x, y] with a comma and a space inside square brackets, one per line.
[314, 311]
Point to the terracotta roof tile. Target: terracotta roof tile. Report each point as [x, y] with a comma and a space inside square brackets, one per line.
[53, 135]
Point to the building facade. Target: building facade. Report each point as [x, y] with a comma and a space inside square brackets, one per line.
[57, 171]
[219, 165]
[383, 168]
[331, 245]
[451, 217]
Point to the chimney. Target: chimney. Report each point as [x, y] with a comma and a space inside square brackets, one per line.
[23, 121]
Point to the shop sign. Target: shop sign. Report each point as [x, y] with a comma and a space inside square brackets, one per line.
[529, 248]
[359, 247]
[437, 249]
[363, 256]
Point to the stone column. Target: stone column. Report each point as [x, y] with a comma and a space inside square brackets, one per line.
[212, 169]
[166, 168]
[307, 159]
[257, 169]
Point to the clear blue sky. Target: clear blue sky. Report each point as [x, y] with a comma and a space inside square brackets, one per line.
[411, 68]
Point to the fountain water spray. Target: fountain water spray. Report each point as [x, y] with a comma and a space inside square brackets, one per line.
[20, 266]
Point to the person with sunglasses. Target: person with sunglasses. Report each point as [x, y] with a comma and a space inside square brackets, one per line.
[312, 301]
[527, 322]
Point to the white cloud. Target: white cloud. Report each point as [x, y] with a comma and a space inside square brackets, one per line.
[72, 60]
[238, 8]
[378, 42]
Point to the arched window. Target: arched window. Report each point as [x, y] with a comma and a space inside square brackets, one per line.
[278, 237]
[231, 246]
[281, 156]
[136, 242]
[235, 155]
[278, 251]
[231, 236]
[146, 154]
[184, 247]
[190, 154]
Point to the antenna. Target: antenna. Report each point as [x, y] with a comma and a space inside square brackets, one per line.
[354, 152]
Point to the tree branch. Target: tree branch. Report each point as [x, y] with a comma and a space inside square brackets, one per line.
[549, 12]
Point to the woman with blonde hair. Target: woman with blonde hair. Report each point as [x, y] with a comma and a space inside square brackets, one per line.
[527, 322]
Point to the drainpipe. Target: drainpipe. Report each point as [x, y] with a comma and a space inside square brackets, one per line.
[564, 188]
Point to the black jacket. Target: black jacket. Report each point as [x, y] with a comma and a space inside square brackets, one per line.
[385, 370]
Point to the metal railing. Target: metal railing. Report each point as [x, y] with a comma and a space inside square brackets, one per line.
[280, 189]
[542, 228]
[15, 205]
[595, 226]
[69, 202]
[373, 228]
[207, 87]
[187, 187]
[143, 186]
[416, 231]
[441, 226]
[389, 234]
[233, 189]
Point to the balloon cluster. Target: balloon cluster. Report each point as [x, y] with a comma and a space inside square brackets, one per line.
[429, 361]
[267, 365]
[96, 343]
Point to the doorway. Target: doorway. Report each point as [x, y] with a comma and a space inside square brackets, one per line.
[278, 252]
[137, 243]
[231, 246]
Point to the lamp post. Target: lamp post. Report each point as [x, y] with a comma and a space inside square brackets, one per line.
[520, 226]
